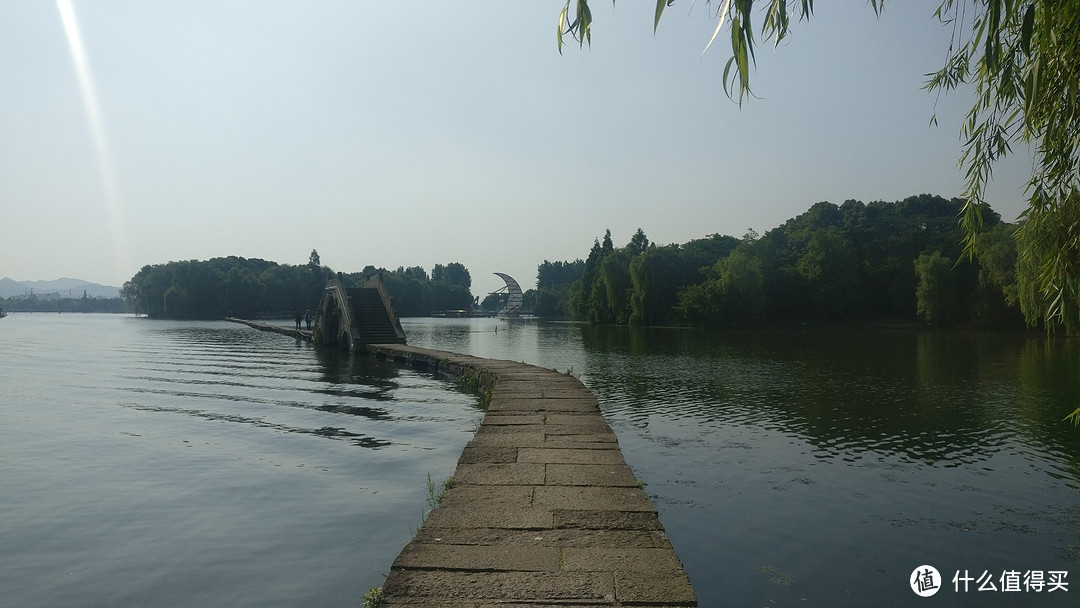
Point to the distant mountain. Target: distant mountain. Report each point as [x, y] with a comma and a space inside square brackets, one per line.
[9, 288]
[60, 288]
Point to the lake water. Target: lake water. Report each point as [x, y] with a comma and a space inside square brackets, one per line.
[820, 468]
[157, 463]
[154, 463]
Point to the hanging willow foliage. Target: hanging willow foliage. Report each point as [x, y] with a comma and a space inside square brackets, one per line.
[1022, 57]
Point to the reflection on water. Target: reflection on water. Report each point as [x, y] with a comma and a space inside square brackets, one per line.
[207, 464]
[947, 398]
[819, 468]
[167, 463]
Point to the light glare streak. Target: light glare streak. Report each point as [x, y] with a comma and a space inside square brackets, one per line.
[97, 133]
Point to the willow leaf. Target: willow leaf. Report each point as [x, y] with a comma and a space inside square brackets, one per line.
[724, 8]
[660, 4]
[561, 25]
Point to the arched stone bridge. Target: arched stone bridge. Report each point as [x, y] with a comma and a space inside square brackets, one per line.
[352, 317]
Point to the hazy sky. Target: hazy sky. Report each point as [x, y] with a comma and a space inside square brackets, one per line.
[415, 133]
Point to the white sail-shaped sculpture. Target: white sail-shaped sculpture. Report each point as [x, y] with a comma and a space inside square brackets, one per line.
[514, 301]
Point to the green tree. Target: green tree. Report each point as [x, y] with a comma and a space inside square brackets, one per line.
[996, 300]
[853, 262]
[453, 273]
[242, 293]
[638, 243]
[1023, 59]
[529, 301]
[831, 267]
[409, 290]
[611, 295]
[581, 290]
[551, 301]
[701, 304]
[734, 295]
[658, 275]
[703, 252]
[602, 295]
[743, 287]
[607, 246]
[936, 294]
[220, 287]
[177, 303]
[551, 274]
[1048, 270]
[416, 273]
[554, 281]
[449, 287]
[447, 296]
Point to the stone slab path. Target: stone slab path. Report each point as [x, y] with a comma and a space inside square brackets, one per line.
[543, 510]
[299, 334]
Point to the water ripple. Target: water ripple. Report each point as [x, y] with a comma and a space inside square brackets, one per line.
[357, 439]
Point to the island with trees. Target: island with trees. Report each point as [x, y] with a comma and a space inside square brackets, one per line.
[897, 262]
[254, 288]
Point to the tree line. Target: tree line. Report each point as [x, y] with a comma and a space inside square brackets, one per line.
[879, 261]
[84, 304]
[857, 261]
[416, 294]
[251, 287]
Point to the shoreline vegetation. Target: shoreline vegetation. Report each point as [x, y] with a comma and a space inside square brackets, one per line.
[84, 304]
[854, 264]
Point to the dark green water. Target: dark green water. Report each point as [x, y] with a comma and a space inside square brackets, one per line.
[820, 468]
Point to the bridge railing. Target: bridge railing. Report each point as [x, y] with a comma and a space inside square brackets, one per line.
[345, 322]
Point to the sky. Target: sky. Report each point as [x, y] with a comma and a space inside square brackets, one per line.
[421, 133]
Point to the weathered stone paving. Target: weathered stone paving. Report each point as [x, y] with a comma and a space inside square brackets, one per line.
[544, 510]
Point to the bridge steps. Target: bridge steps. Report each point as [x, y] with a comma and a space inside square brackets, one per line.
[370, 316]
[354, 316]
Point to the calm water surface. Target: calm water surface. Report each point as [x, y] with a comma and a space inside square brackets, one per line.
[820, 468]
[193, 464]
[154, 463]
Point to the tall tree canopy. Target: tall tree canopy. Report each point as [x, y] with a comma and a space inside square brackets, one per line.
[853, 262]
[1023, 59]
